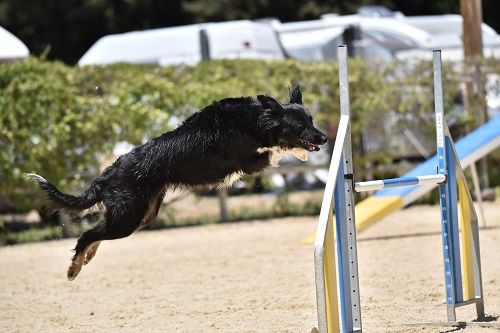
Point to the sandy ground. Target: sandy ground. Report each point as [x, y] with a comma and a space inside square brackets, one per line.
[246, 277]
[192, 206]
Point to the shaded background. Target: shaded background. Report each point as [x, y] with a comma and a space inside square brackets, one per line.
[65, 29]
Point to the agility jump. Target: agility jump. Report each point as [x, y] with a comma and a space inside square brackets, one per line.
[335, 250]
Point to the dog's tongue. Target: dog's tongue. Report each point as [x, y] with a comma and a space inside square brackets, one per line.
[309, 146]
[312, 147]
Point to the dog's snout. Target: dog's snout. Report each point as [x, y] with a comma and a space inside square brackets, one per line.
[321, 138]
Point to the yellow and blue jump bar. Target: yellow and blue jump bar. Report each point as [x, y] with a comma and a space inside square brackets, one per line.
[374, 185]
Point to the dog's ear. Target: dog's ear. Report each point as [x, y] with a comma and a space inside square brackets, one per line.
[269, 103]
[269, 118]
[296, 95]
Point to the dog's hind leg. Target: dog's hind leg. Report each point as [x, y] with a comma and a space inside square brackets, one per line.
[84, 243]
[113, 227]
[92, 250]
[153, 209]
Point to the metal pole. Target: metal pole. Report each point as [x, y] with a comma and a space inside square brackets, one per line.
[320, 246]
[344, 213]
[453, 227]
[443, 194]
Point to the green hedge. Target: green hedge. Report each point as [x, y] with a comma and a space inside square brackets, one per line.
[58, 120]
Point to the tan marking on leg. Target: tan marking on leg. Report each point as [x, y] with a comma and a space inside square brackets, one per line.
[300, 153]
[76, 266]
[229, 180]
[276, 154]
[151, 213]
[78, 262]
[92, 250]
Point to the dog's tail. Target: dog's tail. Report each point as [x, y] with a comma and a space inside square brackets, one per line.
[65, 202]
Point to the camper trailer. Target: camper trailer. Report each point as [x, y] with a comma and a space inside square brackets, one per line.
[12, 48]
[377, 33]
[446, 34]
[187, 44]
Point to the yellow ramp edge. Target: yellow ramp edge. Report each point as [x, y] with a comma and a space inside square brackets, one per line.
[370, 211]
[464, 206]
[373, 209]
[330, 268]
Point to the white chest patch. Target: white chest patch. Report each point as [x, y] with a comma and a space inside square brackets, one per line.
[300, 153]
[277, 153]
[230, 179]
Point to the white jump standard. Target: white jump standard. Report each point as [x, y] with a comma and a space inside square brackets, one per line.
[335, 250]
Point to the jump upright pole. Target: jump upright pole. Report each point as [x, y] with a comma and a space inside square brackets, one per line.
[450, 193]
[335, 249]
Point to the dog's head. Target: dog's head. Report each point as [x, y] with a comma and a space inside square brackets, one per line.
[290, 124]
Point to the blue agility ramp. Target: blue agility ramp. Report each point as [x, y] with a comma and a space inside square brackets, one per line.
[387, 200]
[470, 149]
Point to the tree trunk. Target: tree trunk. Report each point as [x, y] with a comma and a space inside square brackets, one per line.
[222, 194]
[475, 86]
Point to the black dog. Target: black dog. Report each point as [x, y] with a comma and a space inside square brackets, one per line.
[229, 137]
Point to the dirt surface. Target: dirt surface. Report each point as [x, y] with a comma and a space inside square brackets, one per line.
[192, 206]
[246, 277]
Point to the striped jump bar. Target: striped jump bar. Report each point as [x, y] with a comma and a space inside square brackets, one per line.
[374, 185]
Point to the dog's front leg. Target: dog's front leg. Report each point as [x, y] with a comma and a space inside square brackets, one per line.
[275, 154]
[257, 162]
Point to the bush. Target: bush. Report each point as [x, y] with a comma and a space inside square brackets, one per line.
[58, 120]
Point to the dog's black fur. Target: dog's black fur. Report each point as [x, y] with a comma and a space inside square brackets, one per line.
[224, 138]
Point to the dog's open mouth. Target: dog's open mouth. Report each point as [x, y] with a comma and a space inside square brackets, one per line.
[309, 146]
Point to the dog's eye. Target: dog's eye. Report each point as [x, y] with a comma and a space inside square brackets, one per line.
[297, 125]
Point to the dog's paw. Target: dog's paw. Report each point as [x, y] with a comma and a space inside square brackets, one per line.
[275, 154]
[300, 153]
[73, 271]
[92, 250]
[88, 258]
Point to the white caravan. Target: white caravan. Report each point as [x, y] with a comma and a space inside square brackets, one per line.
[446, 32]
[380, 37]
[187, 44]
[387, 36]
[11, 47]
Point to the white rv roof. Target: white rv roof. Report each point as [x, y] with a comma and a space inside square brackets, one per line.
[12, 47]
[310, 37]
[446, 30]
[141, 46]
[243, 39]
[420, 32]
[418, 37]
[177, 44]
